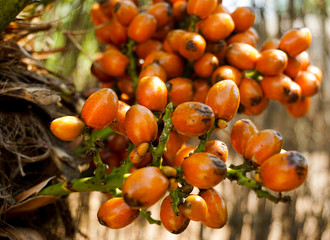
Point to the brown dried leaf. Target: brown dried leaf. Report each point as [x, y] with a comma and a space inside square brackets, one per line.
[30, 205]
[38, 95]
[34, 190]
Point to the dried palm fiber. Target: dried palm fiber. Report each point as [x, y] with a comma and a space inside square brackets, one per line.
[30, 97]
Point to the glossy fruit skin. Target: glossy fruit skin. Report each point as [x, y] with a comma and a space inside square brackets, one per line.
[151, 92]
[272, 62]
[218, 148]
[124, 12]
[300, 108]
[154, 69]
[205, 65]
[162, 11]
[173, 39]
[223, 98]
[308, 82]
[126, 87]
[144, 187]
[194, 207]
[242, 56]
[243, 18]
[279, 87]
[243, 37]
[201, 87]
[219, 49]
[295, 41]
[117, 143]
[173, 145]
[114, 63]
[284, 171]
[293, 67]
[141, 125]
[192, 46]
[217, 214]
[304, 60]
[98, 71]
[217, 27]
[263, 145]
[143, 49]
[241, 132]
[97, 15]
[226, 72]
[256, 110]
[180, 90]
[179, 10]
[220, 8]
[201, 8]
[100, 108]
[273, 43]
[118, 32]
[193, 118]
[181, 155]
[251, 92]
[172, 63]
[204, 170]
[172, 223]
[118, 124]
[67, 128]
[142, 27]
[316, 71]
[115, 213]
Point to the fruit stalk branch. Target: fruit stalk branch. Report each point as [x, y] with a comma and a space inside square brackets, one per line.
[205, 138]
[111, 182]
[158, 151]
[132, 62]
[147, 215]
[238, 173]
[93, 150]
[144, 4]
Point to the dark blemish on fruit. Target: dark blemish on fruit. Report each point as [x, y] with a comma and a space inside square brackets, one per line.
[191, 46]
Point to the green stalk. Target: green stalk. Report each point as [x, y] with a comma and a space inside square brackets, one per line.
[254, 74]
[192, 22]
[102, 134]
[158, 151]
[147, 215]
[144, 4]
[132, 62]
[238, 173]
[202, 143]
[107, 183]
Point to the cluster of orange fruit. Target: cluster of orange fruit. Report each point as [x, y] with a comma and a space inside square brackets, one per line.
[203, 59]
[220, 45]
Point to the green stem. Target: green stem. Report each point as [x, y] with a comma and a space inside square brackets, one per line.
[88, 184]
[147, 215]
[158, 151]
[102, 134]
[192, 22]
[238, 174]
[254, 74]
[202, 143]
[110, 183]
[144, 4]
[100, 175]
[132, 62]
[177, 198]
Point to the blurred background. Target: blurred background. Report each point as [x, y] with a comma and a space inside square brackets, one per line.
[306, 217]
